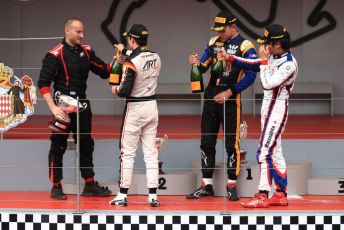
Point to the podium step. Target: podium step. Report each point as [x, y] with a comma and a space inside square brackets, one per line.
[247, 182]
[70, 188]
[183, 182]
[326, 186]
[171, 183]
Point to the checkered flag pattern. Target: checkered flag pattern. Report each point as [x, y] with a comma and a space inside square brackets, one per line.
[168, 221]
[5, 105]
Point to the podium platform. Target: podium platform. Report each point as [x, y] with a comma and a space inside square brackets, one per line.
[179, 182]
[182, 182]
[247, 182]
[326, 186]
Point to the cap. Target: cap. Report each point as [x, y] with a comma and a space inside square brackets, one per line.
[273, 33]
[222, 19]
[137, 31]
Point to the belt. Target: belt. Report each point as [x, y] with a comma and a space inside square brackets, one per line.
[138, 99]
[73, 94]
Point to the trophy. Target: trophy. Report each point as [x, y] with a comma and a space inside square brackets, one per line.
[59, 124]
[160, 142]
[243, 135]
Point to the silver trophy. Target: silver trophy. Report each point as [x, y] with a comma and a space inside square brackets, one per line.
[160, 143]
[59, 124]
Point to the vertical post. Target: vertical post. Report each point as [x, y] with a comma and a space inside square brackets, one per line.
[78, 155]
[224, 155]
[254, 103]
[202, 102]
[2, 136]
[331, 104]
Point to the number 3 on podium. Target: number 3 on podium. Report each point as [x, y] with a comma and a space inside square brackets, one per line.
[341, 186]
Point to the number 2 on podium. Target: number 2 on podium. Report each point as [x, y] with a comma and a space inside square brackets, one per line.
[162, 182]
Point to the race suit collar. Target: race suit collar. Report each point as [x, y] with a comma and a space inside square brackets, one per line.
[140, 49]
[282, 55]
[233, 39]
[74, 49]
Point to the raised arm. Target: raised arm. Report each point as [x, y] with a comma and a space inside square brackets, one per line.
[242, 62]
[97, 65]
[284, 73]
[128, 79]
[245, 63]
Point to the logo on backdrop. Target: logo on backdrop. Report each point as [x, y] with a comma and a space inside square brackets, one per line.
[17, 98]
[316, 17]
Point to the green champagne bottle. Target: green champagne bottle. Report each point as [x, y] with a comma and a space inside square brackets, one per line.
[196, 80]
[115, 74]
[218, 67]
[218, 70]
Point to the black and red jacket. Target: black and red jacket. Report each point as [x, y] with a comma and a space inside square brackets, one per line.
[68, 68]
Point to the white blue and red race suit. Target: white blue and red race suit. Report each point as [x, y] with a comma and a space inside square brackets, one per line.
[277, 76]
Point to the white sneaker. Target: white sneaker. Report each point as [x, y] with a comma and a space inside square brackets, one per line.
[119, 200]
[153, 200]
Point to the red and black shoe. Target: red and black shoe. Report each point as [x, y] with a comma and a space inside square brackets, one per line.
[94, 189]
[57, 193]
[278, 199]
[260, 200]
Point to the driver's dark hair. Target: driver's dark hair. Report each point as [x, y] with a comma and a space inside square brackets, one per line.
[139, 41]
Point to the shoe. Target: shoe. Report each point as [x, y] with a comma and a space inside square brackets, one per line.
[119, 202]
[232, 193]
[207, 190]
[57, 193]
[278, 199]
[94, 189]
[154, 203]
[260, 200]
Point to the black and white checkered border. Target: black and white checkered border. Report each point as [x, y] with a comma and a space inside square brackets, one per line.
[168, 221]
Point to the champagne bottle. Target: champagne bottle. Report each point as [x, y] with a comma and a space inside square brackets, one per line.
[196, 80]
[218, 67]
[115, 74]
[218, 70]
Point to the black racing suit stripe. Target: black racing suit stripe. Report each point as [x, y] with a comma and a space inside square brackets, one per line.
[125, 112]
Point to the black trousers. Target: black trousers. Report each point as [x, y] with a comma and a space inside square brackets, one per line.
[59, 145]
[213, 116]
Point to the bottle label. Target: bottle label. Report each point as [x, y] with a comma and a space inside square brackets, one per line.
[195, 85]
[114, 79]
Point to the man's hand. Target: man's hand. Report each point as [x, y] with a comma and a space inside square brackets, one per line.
[264, 51]
[118, 55]
[119, 59]
[119, 46]
[222, 54]
[114, 89]
[220, 98]
[55, 110]
[58, 112]
[193, 59]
